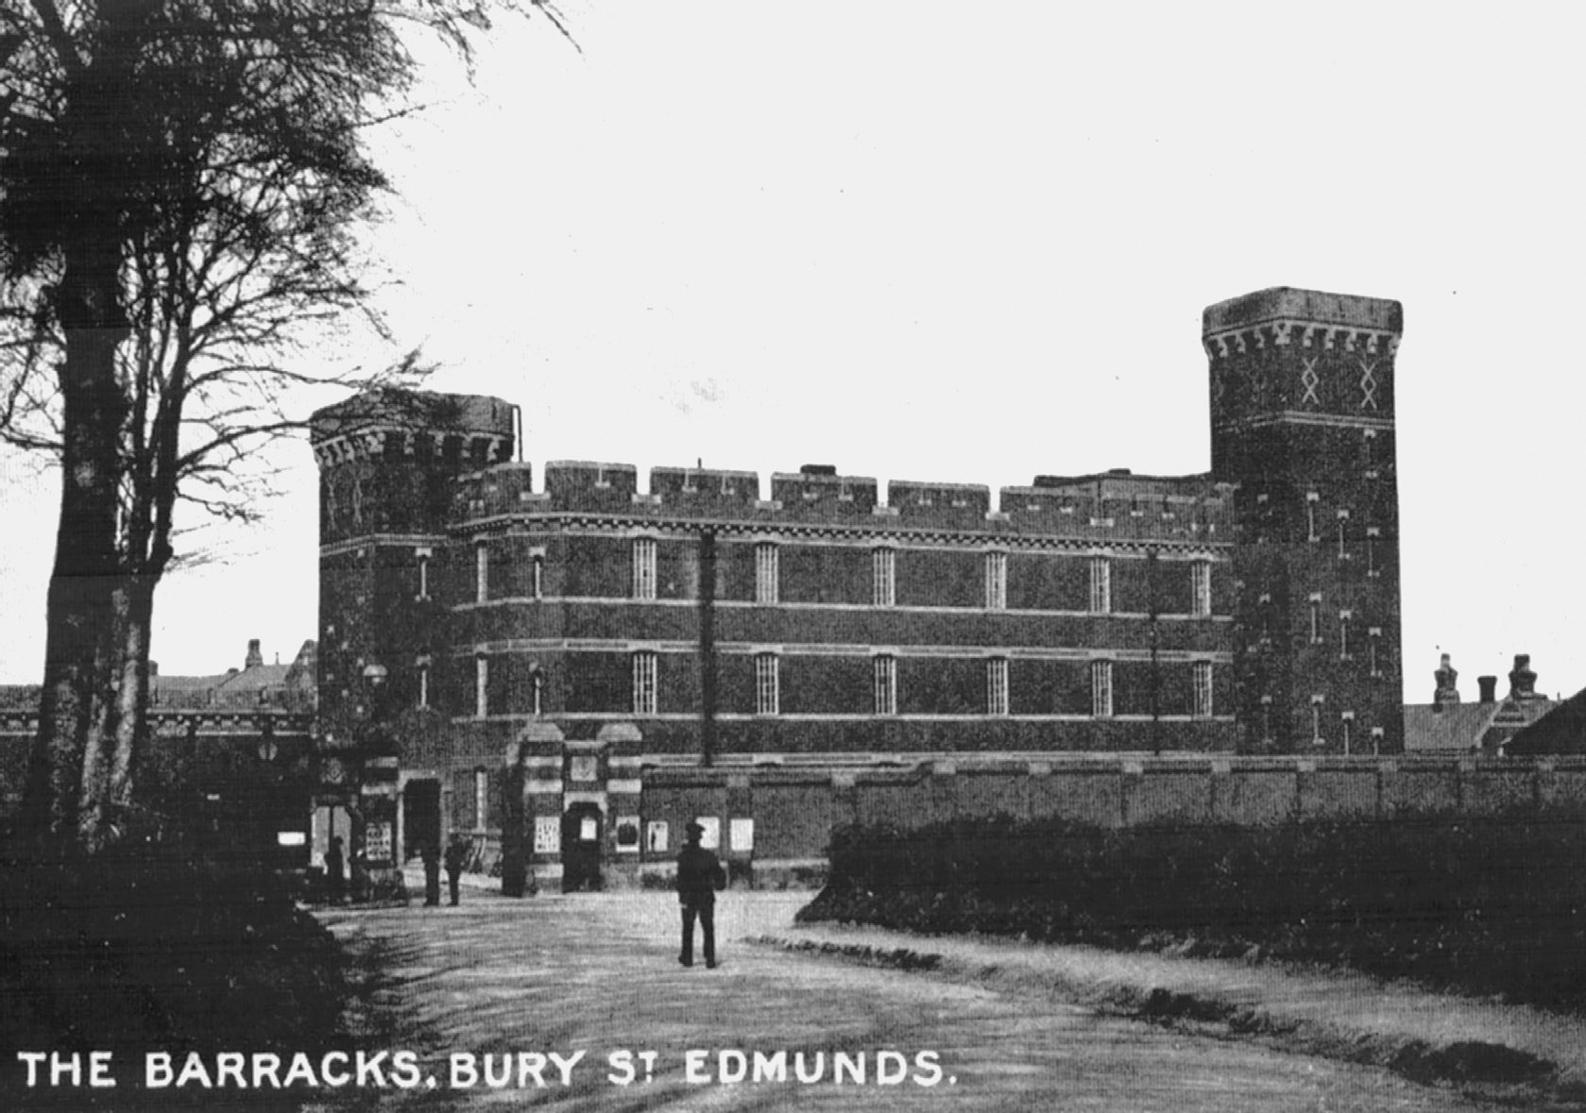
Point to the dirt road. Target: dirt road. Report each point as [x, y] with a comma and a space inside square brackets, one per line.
[556, 1000]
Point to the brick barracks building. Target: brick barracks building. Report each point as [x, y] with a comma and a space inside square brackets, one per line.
[556, 671]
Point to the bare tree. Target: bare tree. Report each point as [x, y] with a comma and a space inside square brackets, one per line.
[179, 185]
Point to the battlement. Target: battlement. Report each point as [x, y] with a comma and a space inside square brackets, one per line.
[1101, 507]
[458, 429]
[1285, 317]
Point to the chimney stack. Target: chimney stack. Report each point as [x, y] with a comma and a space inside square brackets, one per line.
[1447, 691]
[1522, 678]
[1489, 688]
[254, 659]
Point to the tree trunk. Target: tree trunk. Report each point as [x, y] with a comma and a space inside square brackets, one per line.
[75, 705]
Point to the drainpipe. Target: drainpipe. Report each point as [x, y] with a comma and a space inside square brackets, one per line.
[707, 647]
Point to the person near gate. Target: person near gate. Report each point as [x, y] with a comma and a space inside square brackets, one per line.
[336, 869]
[456, 855]
[699, 875]
[432, 872]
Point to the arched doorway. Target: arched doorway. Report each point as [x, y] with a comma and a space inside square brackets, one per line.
[582, 828]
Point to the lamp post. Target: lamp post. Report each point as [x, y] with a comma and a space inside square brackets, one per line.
[377, 787]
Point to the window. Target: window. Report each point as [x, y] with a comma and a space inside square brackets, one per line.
[1376, 741]
[644, 568]
[997, 686]
[765, 684]
[1266, 617]
[424, 681]
[1101, 689]
[1372, 534]
[886, 685]
[481, 573]
[1201, 588]
[1316, 620]
[1373, 653]
[1266, 718]
[481, 799]
[644, 682]
[1203, 689]
[481, 686]
[423, 557]
[1343, 535]
[1344, 618]
[537, 576]
[997, 581]
[1346, 727]
[883, 566]
[765, 573]
[1100, 585]
[537, 692]
[1316, 721]
[1311, 498]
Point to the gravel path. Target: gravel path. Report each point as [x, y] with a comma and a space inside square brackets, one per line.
[598, 974]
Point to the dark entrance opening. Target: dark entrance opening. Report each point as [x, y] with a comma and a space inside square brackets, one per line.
[421, 817]
[581, 834]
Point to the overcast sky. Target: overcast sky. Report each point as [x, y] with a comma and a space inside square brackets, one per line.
[971, 243]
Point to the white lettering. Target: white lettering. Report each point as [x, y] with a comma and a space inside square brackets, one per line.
[405, 1073]
[463, 1072]
[928, 1068]
[694, 1071]
[770, 1068]
[731, 1066]
[566, 1065]
[340, 1077]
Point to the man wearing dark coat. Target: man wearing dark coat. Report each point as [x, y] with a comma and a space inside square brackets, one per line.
[432, 874]
[456, 853]
[335, 870]
[699, 875]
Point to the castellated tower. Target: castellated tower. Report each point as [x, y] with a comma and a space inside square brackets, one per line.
[388, 461]
[1302, 392]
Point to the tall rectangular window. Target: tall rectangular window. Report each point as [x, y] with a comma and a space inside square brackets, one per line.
[1316, 720]
[883, 565]
[1374, 651]
[1344, 618]
[644, 682]
[537, 576]
[1311, 498]
[644, 568]
[997, 686]
[1201, 588]
[481, 573]
[1101, 689]
[1100, 585]
[997, 581]
[1376, 741]
[537, 691]
[1203, 689]
[886, 685]
[481, 686]
[1346, 729]
[423, 557]
[765, 573]
[1343, 535]
[1316, 620]
[1372, 536]
[481, 799]
[765, 684]
[424, 681]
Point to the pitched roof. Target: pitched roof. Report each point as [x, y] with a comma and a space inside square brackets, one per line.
[1469, 726]
[1561, 731]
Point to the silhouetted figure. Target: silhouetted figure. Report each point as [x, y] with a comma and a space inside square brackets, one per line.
[456, 854]
[336, 870]
[699, 875]
[432, 874]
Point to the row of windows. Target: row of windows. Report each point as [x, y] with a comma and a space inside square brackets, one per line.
[883, 578]
[767, 686]
[1351, 739]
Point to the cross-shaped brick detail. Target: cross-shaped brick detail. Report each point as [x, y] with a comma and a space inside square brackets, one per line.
[1310, 380]
[1368, 384]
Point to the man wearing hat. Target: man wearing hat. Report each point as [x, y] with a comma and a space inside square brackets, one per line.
[699, 875]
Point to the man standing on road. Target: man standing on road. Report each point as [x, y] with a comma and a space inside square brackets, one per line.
[456, 852]
[432, 873]
[699, 875]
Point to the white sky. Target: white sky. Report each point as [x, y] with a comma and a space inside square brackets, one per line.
[971, 243]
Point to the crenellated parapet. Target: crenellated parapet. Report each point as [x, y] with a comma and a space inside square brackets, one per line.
[1302, 355]
[1104, 508]
[457, 430]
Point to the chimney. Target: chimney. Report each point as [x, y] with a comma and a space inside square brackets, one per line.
[1522, 678]
[154, 668]
[1489, 688]
[254, 658]
[1447, 691]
